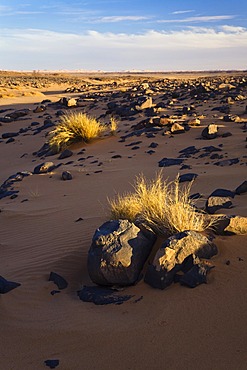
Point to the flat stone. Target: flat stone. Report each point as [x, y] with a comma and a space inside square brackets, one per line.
[167, 162]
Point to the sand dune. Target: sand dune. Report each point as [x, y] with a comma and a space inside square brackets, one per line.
[50, 224]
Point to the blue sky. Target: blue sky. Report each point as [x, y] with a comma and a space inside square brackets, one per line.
[116, 35]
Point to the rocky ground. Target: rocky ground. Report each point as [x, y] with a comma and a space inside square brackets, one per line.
[51, 204]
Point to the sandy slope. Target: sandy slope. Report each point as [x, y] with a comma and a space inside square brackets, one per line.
[178, 328]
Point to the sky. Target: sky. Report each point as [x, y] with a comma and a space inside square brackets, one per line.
[121, 35]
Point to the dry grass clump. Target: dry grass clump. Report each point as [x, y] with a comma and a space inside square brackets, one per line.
[113, 125]
[74, 127]
[165, 207]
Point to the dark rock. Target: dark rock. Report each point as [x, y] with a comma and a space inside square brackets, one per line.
[118, 252]
[6, 286]
[170, 257]
[231, 118]
[116, 156]
[222, 193]
[35, 123]
[211, 148]
[187, 177]
[46, 151]
[8, 135]
[68, 102]
[210, 132]
[101, 296]
[39, 109]
[65, 154]
[6, 189]
[66, 175]
[18, 113]
[226, 134]
[167, 162]
[213, 204]
[44, 168]
[58, 280]
[144, 102]
[79, 219]
[189, 151]
[227, 162]
[150, 152]
[176, 128]
[196, 275]
[10, 140]
[6, 119]
[153, 145]
[241, 189]
[52, 364]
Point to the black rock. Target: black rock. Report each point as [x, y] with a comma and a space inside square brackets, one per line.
[58, 280]
[6, 286]
[172, 254]
[52, 364]
[222, 193]
[101, 296]
[210, 132]
[211, 148]
[167, 162]
[227, 162]
[153, 145]
[65, 154]
[187, 177]
[213, 204]
[10, 140]
[196, 275]
[241, 189]
[66, 175]
[44, 168]
[118, 252]
[8, 135]
[189, 151]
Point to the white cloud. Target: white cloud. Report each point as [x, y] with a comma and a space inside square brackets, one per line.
[182, 11]
[207, 18]
[120, 18]
[192, 49]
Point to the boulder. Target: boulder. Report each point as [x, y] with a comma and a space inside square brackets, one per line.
[172, 255]
[194, 122]
[210, 132]
[68, 102]
[187, 177]
[65, 154]
[118, 252]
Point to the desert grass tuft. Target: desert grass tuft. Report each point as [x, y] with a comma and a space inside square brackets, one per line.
[113, 126]
[162, 206]
[75, 127]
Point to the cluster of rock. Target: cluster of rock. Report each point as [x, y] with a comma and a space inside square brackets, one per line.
[120, 250]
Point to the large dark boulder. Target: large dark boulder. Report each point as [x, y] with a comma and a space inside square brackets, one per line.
[118, 252]
[172, 257]
[210, 132]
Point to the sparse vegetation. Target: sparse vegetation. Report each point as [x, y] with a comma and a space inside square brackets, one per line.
[113, 125]
[75, 127]
[165, 207]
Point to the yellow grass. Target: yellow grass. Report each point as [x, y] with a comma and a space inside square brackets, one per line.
[113, 126]
[163, 206]
[74, 127]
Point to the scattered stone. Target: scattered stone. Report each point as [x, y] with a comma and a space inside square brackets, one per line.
[227, 162]
[58, 280]
[118, 252]
[101, 296]
[52, 364]
[228, 262]
[6, 286]
[153, 145]
[241, 189]
[79, 219]
[10, 140]
[167, 162]
[39, 109]
[65, 154]
[214, 203]
[171, 257]
[144, 102]
[194, 122]
[177, 128]
[116, 156]
[68, 102]
[66, 175]
[44, 168]
[210, 132]
[222, 193]
[187, 177]
[8, 135]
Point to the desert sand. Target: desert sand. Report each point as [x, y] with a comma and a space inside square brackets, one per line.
[49, 226]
